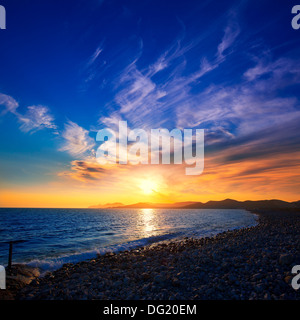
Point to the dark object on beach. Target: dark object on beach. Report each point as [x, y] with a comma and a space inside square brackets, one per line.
[10, 252]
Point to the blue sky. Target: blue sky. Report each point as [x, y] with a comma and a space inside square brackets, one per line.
[70, 68]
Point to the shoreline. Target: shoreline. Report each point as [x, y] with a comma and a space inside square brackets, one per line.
[57, 260]
[248, 263]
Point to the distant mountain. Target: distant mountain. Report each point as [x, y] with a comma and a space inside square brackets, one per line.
[224, 204]
[296, 203]
[149, 205]
[234, 204]
[107, 205]
[265, 204]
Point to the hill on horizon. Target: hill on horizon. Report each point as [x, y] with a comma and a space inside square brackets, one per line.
[223, 204]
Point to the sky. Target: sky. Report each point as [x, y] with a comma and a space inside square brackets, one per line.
[71, 68]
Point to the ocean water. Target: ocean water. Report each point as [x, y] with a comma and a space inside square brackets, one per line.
[57, 236]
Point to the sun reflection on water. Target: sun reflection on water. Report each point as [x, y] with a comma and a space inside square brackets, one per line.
[148, 221]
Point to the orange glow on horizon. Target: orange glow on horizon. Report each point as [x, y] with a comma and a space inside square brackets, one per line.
[248, 180]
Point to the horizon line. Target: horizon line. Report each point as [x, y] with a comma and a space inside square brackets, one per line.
[154, 203]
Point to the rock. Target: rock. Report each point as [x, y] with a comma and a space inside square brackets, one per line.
[214, 256]
[288, 279]
[257, 276]
[117, 284]
[158, 278]
[259, 288]
[231, 278]
[267, 296]
[283, 296]
[145, 275]
[286, 259]
[175, 282]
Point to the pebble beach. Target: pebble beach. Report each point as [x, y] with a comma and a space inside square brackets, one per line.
[249, 264]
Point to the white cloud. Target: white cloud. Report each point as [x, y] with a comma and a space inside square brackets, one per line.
[247, 107]
[94, 56]
[77, 139]
[9, 104]
[112, 121]
[36, 118]
[144, 99]
[283, 71]
[138, 89]
[231, 32]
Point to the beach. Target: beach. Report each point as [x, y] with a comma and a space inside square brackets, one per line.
[249, 264]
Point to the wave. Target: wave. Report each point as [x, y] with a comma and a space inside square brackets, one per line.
[54, 263]
[51, 252]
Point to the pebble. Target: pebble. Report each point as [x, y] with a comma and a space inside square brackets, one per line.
[286, 259]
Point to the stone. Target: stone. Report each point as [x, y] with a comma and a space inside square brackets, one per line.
[286, 259]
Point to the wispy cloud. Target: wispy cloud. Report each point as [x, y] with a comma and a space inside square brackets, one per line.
[248, 106]
[76, 139]
[277, 73]
[146, 95]
[36, 117]
[231, 32]
[90, 69]
[8, 103]
[111, 121]
[94, 56]
[138, 94]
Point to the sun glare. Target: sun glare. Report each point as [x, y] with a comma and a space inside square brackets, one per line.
[148, 186]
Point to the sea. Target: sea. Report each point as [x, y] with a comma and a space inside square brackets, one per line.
[53, 237]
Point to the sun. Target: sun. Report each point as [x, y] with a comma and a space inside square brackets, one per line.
[148, 186]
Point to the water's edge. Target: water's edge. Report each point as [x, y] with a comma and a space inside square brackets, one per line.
[52, 264]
